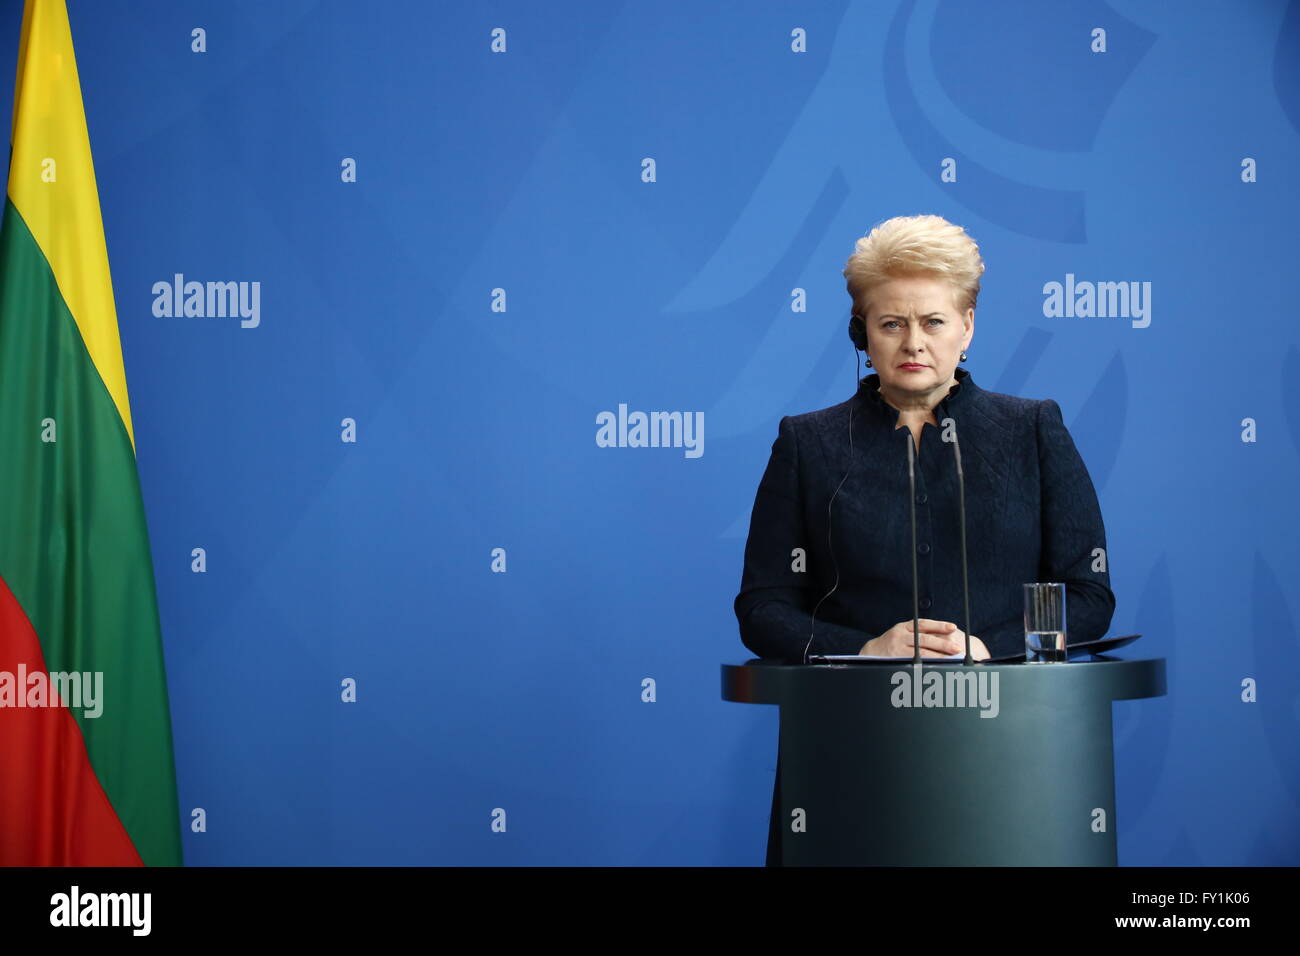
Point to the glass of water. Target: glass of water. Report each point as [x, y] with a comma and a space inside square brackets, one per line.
[1045, 623]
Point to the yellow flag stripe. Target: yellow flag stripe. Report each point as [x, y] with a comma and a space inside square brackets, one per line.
[52, 184]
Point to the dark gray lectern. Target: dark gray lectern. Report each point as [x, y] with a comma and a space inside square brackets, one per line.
[875, 777]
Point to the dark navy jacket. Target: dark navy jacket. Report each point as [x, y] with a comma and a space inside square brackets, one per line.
[1031, 515]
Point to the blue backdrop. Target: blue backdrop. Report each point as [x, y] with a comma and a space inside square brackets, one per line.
[651, 205]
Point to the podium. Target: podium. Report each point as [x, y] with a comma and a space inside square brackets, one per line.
[873, 773]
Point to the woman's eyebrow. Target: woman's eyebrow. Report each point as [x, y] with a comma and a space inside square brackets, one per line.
[891, 315]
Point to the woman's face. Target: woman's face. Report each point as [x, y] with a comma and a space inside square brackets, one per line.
[915, 334]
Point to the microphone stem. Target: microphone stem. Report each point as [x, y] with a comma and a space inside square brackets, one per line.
[916, 610]
[961, 514]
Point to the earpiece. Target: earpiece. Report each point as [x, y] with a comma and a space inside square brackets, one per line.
[858, 332]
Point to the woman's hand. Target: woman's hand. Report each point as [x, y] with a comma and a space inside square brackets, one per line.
[938, 639]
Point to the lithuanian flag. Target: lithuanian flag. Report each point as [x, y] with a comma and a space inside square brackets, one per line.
[76, 578]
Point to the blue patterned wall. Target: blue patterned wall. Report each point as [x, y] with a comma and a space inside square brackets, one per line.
[779, 133]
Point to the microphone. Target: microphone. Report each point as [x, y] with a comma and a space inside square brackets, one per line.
[911, 497]
[961, 521]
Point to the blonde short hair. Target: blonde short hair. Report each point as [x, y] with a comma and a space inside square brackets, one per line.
[922, 246]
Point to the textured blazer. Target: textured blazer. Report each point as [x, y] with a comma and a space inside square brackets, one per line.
[1031, 515]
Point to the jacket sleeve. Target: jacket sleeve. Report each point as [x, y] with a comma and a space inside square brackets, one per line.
[778, 589]
[1072, 531]
[1074, 537]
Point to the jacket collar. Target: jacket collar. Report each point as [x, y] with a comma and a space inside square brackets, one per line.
[961, 395]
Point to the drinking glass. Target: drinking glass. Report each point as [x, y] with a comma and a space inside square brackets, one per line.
[1045, 623]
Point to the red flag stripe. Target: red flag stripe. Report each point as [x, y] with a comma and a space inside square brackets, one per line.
[56, 812]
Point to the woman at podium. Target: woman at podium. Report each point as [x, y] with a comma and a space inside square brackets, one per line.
[828, 562]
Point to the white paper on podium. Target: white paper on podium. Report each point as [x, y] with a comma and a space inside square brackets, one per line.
[959, 656]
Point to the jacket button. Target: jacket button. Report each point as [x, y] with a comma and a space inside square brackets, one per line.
[923, 548]
[921, 499]
[925, 604]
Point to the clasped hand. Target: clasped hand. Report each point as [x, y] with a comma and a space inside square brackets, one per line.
[938, 639]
